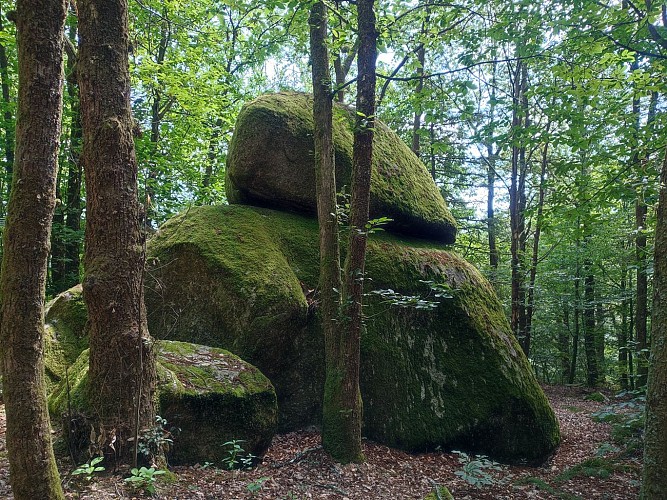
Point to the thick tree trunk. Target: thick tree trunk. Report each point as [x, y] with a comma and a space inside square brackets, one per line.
[33, 469]
[654, 479]
[122, 364]
[341, 392]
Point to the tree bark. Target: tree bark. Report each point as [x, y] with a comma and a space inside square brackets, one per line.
[33, 471]
[341, 392]
[593, 368]
[530, 301]
[122, 363]
[65, 241]
[520, 121]
[7, 116]
[330, 272]
[74, 208]
[654, 479]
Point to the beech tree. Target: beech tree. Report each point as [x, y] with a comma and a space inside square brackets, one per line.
[122, 363]
[33, 471]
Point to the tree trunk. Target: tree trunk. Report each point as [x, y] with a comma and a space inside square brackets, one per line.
[330, 272]
[8, 119]
[564, 345]
[520, 120]
[623, 334]
[417, 121]
[490, 186]
[74, 207]
[33, 471]
[577, 324]
[654, 479]
[122, 363]
[530, 301]
[641, 312]
[590, 341]
[341, 392]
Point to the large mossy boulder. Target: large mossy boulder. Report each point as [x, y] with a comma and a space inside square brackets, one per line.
[210, 395]
[243, 279]
[65, 321]
[270, 163]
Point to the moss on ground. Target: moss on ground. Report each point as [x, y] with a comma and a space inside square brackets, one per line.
[270, 163]
[245, 279]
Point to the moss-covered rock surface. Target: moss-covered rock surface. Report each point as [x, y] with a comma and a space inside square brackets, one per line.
[210, 395]
[65, 321]
[270, 163]
[244, 279]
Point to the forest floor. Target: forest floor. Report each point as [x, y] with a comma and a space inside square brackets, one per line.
[587, 465]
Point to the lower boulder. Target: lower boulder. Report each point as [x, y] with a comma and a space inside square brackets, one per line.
[439, 366]
[210, 395]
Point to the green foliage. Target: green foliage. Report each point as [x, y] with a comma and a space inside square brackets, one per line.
[156, 440]
[596, 396]
[255, 486]
[627, 420]
[144, 479]
[592, 467]
[475, 470]
[237, 458]
[87, 470]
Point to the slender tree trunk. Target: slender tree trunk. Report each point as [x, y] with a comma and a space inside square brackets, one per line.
[156, 120]
[654, 478]
[564, 345]
[530, 301]
[122, 363]
[56, 283]
[74, 208]
[623, 334]
[417, 121]
[490, 186]
[7, 116]
[33, 471]
[590, 344]
[520, 121]
[341, 393]
[330, 272]
[343, 62]
[206, 196]
[577, 323]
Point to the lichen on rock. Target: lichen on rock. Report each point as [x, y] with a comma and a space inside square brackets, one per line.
[270, 164]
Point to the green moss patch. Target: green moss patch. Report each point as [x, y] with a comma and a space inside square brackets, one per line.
[270, 163]
[65, 321]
